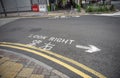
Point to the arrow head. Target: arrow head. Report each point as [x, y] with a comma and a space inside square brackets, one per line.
[89, 49]
[92, 49]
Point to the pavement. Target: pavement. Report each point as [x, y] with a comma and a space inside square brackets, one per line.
[116, 14]
[46, 14]
[62, 13]
[16, 65]
[55, 14]
[4, 21]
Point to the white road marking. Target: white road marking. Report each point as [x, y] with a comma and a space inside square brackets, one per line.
[63, 17]
[76, 16]
[57, 17]
[89, 49]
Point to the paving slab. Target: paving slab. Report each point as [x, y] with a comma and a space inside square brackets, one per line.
[2, 60]
[25, 72]
[10, 69]
[24, 67]
[36, 76]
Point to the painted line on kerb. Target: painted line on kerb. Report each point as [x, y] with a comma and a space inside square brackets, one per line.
[73, 69]
[61, 57]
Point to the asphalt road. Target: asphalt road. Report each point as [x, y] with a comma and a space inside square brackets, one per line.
[93, 41]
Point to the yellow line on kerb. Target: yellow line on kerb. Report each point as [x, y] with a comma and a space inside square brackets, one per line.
[52, 59]
[61, 57]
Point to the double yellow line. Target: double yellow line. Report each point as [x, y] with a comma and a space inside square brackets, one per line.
[41, 52]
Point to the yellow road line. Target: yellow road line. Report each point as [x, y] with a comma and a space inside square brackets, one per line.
[61, 57]
[52, 59]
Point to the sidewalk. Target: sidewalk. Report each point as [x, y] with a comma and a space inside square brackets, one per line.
[71, 13]
[109, 14]
[54, 14]
[46, 14]
[7, 20]
[15, 65]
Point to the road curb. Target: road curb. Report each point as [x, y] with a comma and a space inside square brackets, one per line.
[53, 72]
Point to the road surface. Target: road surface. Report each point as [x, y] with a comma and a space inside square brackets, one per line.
[87, 46]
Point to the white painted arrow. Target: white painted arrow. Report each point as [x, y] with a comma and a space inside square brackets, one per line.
[89, 49]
